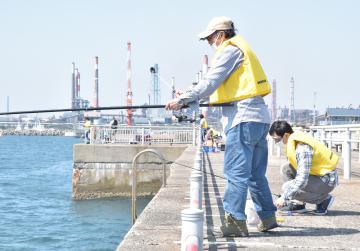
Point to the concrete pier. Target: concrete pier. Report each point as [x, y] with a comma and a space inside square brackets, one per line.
[159, 225]
[106, 170]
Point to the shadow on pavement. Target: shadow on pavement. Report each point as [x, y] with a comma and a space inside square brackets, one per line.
[308, 231]
[343, 213]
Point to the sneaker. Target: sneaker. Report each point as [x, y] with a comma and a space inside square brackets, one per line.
[322, 208]
[233, 227]
[292, 208]
[267, 224]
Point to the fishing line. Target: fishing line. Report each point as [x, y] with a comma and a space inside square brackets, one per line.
[212, 174]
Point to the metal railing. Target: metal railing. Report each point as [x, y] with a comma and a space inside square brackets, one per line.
[143, 135]
[345, 138]
[134, 180]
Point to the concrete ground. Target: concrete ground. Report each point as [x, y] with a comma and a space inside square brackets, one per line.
[159, 226]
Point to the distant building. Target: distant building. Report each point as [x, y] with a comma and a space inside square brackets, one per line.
[302, 116]
[339, 116]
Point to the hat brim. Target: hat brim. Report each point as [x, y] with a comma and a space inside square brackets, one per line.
[205, 34]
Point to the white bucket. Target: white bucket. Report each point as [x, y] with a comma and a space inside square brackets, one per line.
[251, 214]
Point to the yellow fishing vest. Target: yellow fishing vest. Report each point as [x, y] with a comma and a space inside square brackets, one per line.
[87, 124]
[249, 80]
[324, 160]
[203, 123]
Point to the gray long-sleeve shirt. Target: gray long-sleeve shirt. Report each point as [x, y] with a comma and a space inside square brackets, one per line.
[251, 109]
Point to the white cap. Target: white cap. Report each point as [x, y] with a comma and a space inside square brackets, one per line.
[217, 24]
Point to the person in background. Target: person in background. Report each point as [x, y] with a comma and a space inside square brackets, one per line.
[113, 125]
[209, 138]
[236, 77]
[204, 127]
[87, 126]
[310, 173]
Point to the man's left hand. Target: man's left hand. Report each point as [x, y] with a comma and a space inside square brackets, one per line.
[280, 202]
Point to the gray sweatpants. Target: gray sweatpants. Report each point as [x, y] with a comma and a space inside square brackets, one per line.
[315, 191]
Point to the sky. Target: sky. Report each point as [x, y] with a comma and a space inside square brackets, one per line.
[316, 42]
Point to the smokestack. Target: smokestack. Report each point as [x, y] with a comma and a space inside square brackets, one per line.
[76, 87]
[129, 91]
[155, 88]
[292, 106]
[77, 84]
[96, 84]
[173, 91]
[73, 85]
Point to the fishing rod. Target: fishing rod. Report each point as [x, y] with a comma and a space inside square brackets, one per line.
[134, 107]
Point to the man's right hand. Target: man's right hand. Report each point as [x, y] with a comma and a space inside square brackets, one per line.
[173, 104]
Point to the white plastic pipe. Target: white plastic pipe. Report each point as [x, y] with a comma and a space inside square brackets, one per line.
[347, 155]
[195, 190]
[194, 136]
[198, 162]
[192, 229]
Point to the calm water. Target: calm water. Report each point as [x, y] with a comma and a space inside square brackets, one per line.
[36, 209]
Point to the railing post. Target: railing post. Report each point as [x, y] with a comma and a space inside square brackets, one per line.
[134, 182]
[142, 135]
[192, 229]
[194, 136]
[199, 137]
[347, 154]
[312, 132]
[195, 190]
[323, 136]
[92, 135]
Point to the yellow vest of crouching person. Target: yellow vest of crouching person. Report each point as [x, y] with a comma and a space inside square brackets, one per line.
[324, 160]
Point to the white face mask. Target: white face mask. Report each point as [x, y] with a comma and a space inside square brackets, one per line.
[281, 144]
[214, 44]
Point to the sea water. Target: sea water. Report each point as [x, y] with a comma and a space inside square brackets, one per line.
[36, 208]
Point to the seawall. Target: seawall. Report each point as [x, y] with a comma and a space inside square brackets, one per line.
[106, 170]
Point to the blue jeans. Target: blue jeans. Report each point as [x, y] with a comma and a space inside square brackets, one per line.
[246, 156]
[203, 134]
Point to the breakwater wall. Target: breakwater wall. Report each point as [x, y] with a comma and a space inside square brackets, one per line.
[106, 170]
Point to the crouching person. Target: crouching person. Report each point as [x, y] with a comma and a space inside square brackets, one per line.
[310, 175]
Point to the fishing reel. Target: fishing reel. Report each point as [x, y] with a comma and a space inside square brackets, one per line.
[180, 117]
